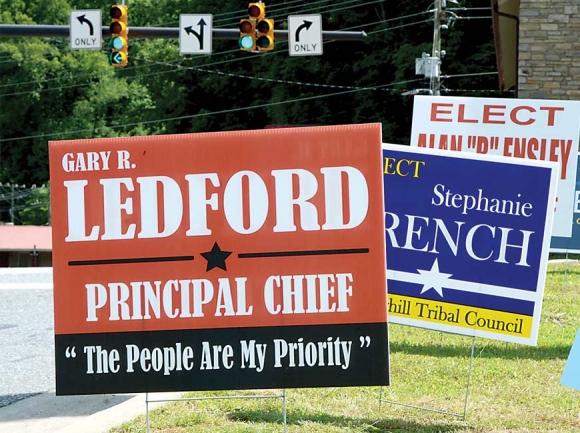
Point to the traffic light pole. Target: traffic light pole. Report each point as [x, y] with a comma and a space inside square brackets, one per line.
[50, 31]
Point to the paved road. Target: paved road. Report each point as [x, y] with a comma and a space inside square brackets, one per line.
[27, 378]
[26, 336]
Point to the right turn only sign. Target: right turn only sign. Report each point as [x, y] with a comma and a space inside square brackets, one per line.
[305, 35]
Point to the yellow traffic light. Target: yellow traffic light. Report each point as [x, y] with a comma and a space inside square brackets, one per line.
[247, 39]
[265, 37]
[119, 42]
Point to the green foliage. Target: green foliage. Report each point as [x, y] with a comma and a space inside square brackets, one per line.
[25, 204]
[50, 92]
[35, 208]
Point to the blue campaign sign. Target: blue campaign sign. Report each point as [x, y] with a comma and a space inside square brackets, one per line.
[467, 241]
[571, 244]
[571, 374]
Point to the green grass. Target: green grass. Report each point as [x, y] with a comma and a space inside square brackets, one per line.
[513, 387]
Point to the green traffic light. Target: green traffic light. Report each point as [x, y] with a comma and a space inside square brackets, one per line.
[117, 43]
[246, 42]
[115, 58]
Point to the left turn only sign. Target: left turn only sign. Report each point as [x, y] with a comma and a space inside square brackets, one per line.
[85, 29]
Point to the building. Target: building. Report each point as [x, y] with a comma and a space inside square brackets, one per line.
[25, 246]
[538, 47]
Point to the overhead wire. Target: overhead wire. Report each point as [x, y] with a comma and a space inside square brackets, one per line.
[207, 65]
[182, 67]
[213, 54]
[212, 113]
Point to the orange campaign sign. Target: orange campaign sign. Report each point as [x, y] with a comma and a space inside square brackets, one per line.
[228, 260]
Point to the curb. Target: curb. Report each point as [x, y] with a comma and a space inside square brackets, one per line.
[48, 413]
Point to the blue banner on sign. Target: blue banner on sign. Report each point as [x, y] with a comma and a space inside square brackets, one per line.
[571, 244]
[467, 241]
[571, 374]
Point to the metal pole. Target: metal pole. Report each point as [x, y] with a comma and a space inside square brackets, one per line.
[469, 377]
[565, 273]
[435, 81]
[47, 31]
[147, 412]
[284, 409]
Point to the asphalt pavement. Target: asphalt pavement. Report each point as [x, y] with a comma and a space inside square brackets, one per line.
[47, 413]
[27, 342]
[28, 403]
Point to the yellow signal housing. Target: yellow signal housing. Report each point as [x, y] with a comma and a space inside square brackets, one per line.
[247, 40]
[265, 34]
[119, 41]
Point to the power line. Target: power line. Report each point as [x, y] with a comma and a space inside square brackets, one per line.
[211, 64]
[244, 11]
[396, 27]
[273, 9]
[469, 75]
[271, 80]
[212, 113]
[213, 54]
[180, 67]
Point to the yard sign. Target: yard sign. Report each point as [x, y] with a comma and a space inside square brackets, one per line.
[467, 241]
[536, 129]
[571, 244]
[231, 260]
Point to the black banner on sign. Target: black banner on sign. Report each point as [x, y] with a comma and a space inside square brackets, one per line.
[223, 359]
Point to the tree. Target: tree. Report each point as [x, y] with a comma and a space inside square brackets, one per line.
[49, 92]
[34, 209]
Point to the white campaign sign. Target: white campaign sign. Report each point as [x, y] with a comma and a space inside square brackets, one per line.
[519, 128]
[305, 35]
[85, 29]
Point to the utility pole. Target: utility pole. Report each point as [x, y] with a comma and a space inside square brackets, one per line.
[12, 206]
[430, 65]
[435, 78]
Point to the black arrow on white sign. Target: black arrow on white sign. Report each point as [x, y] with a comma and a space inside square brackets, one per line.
[305, 25]
[83, 20]
[189, 29]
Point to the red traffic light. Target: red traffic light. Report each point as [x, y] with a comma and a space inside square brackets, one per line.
[246, 26]
[257, 10]
[254, 11]
[118, 11]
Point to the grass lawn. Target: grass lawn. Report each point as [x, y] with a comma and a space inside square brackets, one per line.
[513, 387]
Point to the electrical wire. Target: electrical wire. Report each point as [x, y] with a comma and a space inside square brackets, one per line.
[211, 64]
[181, 67]
[212, 113]
[213, 54]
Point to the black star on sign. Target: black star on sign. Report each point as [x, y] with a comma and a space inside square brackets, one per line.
[216, 258]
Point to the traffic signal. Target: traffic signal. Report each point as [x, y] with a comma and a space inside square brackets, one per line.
[265, 37]
[257, 31]
[119, 38]
[257, 11]
[247, 39]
